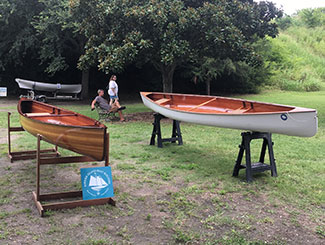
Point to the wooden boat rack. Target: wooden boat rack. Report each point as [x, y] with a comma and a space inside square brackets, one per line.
[26, 155]
[176, 132]
[260, 166]
[38, 198]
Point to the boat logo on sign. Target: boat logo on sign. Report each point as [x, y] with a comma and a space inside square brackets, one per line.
[284, 117]
[96, 183]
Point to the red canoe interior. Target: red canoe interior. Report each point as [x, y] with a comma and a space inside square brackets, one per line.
[54, 115]
[206, 104]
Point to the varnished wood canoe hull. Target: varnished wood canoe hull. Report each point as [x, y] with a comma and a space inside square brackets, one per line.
[223, 112]
[85, 139]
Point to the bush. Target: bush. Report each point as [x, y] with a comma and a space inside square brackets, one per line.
[308, 86]
[312, 86]
[289, 85]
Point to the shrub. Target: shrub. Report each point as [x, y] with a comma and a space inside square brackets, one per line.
[311, 86]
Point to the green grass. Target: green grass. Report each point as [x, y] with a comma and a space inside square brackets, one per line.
[203, 167]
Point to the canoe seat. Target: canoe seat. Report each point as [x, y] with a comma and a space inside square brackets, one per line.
[38, 114]
[239, 110]
[162, 101]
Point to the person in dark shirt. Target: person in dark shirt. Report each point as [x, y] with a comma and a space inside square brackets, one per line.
[106, 106]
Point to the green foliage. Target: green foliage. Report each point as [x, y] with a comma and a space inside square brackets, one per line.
[171, 33]
[17, 40]
[284, 22]
[56, 29]
[312, 17]
[296, 58]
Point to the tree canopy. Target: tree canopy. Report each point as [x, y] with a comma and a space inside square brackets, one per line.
[172, 32]
[203, 36]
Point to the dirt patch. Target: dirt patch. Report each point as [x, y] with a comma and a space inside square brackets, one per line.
[140, 116]
[4, 136]
[149, 211]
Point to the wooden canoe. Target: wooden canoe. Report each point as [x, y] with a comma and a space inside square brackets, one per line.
[234, 113]
[64, 128]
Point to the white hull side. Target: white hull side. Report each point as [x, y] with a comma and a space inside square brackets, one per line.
[49, 87]
[303, 124]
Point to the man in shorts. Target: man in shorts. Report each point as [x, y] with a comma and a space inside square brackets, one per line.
[106, 106]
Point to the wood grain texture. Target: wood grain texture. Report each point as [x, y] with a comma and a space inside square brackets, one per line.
[64, 128]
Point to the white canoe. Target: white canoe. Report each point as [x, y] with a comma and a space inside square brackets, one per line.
[234, 113]
[49, 87]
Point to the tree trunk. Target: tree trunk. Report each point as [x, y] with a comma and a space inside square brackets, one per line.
[167, 73]
[208, 86]
[85, 84]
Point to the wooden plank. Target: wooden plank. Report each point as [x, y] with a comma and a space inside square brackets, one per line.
[61, 160]
[202, 104]
[38, 114]
[239, 110]
[78, 203]
[161, 101]
[49, 115]
[32, 152]
[16, 129]
[38, 205]
[59, 195]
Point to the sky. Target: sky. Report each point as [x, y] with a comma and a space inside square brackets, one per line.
[291, 6]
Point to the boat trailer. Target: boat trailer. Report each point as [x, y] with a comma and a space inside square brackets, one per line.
[57, 89]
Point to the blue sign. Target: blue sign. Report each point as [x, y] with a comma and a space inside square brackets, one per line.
[96, 183]
[3, 91]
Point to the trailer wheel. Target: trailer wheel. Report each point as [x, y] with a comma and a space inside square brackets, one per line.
[41, 98]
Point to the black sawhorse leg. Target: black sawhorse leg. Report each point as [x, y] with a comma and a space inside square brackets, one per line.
[260, 166]
[176, 133]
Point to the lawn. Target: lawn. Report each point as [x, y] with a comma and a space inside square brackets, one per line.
[177, 194]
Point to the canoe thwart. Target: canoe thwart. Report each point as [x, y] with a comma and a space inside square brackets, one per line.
[202, 104]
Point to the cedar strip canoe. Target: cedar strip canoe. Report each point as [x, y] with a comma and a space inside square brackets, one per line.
[234, 113]
[64, 128]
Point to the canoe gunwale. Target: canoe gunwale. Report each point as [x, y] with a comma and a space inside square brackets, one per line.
[97, 124]
[293, 110]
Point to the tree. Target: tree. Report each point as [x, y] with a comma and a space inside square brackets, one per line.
[57, 30]
[17, 39]
[171, 32]
[210, 68]
[40, 32]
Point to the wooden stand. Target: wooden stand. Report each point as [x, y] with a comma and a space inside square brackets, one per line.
[260, 166]
[176, 133]
[38, 198]
[25, 155]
